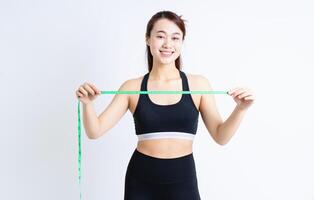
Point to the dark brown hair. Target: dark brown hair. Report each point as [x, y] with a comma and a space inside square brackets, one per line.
[164, 15]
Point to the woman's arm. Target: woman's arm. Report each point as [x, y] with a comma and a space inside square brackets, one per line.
[90, 120]
[115, 110]
[222, 131]
[97, 126]
[227, 129]
[208, 108]
[244, 98]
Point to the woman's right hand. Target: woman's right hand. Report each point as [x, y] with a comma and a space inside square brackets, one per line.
[87, 92]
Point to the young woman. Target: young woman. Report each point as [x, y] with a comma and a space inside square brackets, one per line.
[162, 166]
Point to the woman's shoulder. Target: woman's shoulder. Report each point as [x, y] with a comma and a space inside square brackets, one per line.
[197, 79]
[133, 83]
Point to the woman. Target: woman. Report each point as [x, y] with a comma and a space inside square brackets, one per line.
[162, 165]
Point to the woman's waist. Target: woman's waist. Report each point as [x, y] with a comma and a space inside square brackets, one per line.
[166, 147]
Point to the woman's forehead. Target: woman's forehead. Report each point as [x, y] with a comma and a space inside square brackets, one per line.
[167, 27]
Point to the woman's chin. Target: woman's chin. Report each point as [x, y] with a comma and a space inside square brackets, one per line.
[167, 60]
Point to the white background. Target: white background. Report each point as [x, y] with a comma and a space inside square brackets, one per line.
[49, 48]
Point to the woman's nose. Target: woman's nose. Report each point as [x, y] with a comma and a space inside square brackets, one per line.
[167, 42]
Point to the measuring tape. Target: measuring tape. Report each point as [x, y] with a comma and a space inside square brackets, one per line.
[128, 92]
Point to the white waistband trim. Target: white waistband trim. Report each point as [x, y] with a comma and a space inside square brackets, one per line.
[166, 134]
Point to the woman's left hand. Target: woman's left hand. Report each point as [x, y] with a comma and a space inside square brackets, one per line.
[243, 96]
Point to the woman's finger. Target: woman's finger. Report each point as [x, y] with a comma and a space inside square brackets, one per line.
[83, 91]
[95, 89]
[79, 94]
[232, 90]
[237, 92]
[249, 97]
[89, 89]
[244, 94]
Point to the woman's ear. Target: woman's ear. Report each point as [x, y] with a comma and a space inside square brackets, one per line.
[147, 41]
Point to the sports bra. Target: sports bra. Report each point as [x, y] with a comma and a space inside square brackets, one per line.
[154, 121]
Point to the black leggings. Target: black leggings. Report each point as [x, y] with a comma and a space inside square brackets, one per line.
[151, 178]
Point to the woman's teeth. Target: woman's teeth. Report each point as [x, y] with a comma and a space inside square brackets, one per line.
[166, 53]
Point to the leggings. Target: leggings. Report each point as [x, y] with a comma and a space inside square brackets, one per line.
[152, 178]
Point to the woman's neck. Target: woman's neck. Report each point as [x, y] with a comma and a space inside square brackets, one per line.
[164, 72]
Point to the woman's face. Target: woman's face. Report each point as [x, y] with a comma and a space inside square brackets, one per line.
[165, 41]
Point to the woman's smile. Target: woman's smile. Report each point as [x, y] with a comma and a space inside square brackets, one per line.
[166, 53]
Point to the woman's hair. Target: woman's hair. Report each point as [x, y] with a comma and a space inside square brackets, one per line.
[164, 15]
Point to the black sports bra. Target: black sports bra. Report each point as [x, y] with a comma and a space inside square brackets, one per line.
[154, 121]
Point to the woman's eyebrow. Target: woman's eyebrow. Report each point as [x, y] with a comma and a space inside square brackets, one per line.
[165, 32]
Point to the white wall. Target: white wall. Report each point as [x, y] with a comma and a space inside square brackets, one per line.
[49, 48]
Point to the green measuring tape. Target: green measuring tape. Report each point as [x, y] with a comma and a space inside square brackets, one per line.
[128, 92]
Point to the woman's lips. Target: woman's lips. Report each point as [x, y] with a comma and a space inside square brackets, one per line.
[166, 53]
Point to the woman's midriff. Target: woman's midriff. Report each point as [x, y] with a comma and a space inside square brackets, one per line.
[166, 147]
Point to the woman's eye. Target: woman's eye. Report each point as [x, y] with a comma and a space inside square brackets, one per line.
[163, 37]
